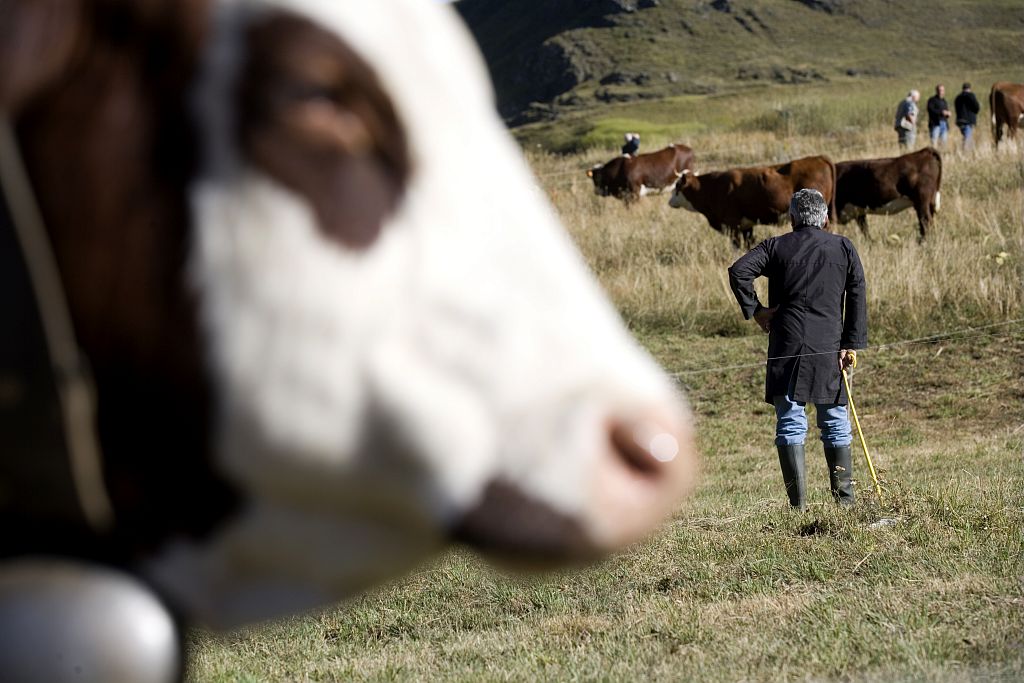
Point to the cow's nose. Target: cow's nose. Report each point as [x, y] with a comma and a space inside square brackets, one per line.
[646, 447]
[647, 469]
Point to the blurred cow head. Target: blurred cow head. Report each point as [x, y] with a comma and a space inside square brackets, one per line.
[398, 342]
[608, 178]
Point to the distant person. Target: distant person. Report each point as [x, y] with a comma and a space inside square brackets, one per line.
[938, 117]
[906, 120]
[816, 317]
[967, 108]
[632, 145]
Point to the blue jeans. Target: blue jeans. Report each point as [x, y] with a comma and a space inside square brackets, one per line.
[791, 423]
[939, 131]
[968, 131]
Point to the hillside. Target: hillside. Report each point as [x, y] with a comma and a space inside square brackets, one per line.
[564, 57]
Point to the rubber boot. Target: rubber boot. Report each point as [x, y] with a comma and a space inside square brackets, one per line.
[840, 474]
[791, 458]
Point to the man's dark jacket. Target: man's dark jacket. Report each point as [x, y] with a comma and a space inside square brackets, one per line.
[812, 275]
[936, 105]
[967, 108]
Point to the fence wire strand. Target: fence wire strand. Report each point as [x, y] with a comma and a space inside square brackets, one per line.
[955, 335]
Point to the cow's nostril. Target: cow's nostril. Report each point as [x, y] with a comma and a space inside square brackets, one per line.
[646, 447]
[650, 466]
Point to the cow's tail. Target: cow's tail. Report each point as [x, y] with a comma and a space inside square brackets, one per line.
[938, 181]
[832, 215]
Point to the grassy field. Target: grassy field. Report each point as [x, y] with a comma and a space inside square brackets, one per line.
[924, 584]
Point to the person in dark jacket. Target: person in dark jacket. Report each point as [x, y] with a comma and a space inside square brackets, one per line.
[938, 116]
[632, 144]
[967, 108]
[816, 319]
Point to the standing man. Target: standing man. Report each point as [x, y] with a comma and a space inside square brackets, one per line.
[967, 108]
[817, 317]
[906, 120]
[938, 116]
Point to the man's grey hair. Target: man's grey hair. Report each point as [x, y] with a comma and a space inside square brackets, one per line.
[913, 93]
[808, 208]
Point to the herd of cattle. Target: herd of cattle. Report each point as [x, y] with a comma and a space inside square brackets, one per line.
[736, 199]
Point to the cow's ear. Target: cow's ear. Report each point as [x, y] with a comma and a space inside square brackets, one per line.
[37, 40]
[316, 118]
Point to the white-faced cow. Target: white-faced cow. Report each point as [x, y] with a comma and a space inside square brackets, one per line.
[323, 342]
[1006, 101]
[888, 186]
[630, 177]
[735, 200]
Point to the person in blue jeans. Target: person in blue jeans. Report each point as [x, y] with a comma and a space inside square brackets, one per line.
[967, 108]
[816, 319]
[938, 116]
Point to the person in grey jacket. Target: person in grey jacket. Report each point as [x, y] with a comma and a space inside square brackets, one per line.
[906, 120]
[816, 318]
[967, 108]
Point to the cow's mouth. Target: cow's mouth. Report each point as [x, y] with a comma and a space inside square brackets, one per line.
[521, 531]
[643, 471]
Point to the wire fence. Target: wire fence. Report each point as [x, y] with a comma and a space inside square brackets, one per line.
[954, 335]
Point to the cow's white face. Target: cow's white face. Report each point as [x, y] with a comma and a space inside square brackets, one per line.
[678, 199]
[453, 367]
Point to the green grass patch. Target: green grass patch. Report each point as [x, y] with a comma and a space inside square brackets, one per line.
[924, 584]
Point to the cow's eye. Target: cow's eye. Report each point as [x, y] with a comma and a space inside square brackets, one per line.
[314, 116]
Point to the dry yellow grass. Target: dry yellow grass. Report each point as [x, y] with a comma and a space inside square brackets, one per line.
[666, 267]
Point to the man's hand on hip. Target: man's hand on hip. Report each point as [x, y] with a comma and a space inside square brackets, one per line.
[763, 317]
[847, 359]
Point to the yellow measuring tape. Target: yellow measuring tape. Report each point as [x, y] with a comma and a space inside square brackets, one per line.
[860, 432]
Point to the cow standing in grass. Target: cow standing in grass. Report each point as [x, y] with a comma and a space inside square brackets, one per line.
[1006, 102]
[889, 186]
[630, 177]
[323, 343]
[735, 200]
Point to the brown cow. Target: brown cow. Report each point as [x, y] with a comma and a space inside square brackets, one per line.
[1006, 100]
[737, 199]
[631, 177]
[888, 186]
[323, 344]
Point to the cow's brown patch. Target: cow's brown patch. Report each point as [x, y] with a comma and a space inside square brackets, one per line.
[110, 150]
[37, 40]
[314, 116]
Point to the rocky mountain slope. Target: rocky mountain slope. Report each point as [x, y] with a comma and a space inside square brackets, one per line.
[549, 57]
